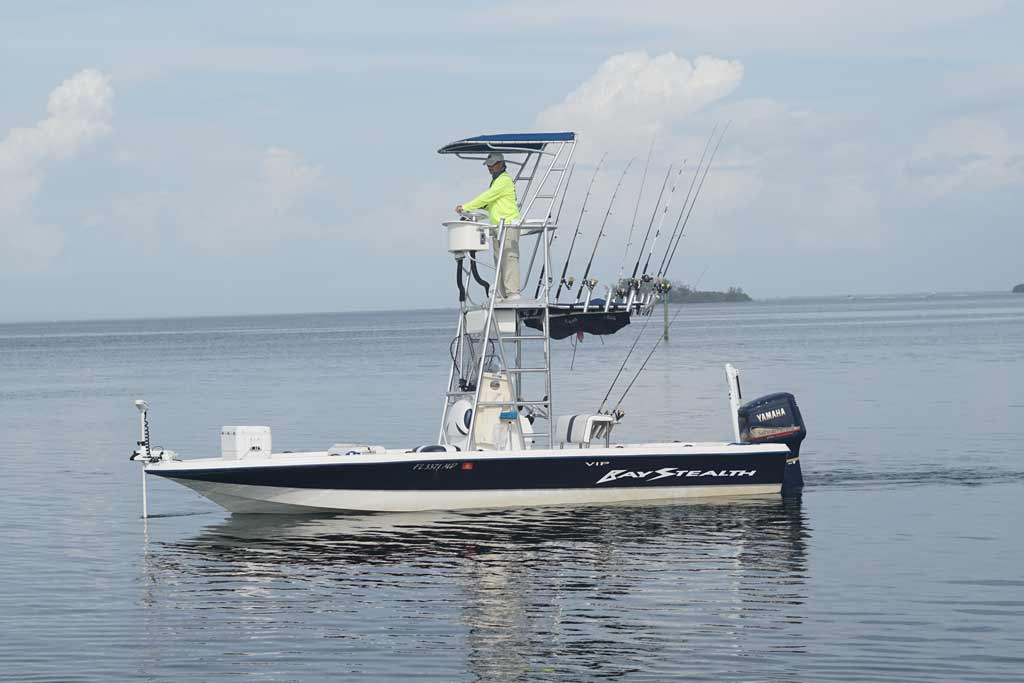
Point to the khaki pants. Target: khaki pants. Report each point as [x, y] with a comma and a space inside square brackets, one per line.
[508, 282]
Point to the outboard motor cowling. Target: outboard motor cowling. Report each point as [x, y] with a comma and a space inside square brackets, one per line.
[776, 418]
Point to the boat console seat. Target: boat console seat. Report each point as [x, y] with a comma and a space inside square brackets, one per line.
[583, 429]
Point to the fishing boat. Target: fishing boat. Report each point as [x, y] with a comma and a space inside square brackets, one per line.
[500, 441]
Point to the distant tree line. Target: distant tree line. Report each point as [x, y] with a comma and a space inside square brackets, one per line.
[1019, 289]
[684, 294]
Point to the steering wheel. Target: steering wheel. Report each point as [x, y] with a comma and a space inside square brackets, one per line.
[473, 216]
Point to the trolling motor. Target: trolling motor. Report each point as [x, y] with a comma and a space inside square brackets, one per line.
[144, 452]
[774, 418]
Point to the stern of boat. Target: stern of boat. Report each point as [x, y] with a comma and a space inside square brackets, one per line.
[773, 418]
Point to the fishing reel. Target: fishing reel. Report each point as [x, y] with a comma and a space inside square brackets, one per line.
[662, 286]
[645, 278]
[617, 413]
[569, 281]
[590, 283]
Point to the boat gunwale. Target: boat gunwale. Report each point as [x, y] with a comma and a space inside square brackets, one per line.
[322, 458]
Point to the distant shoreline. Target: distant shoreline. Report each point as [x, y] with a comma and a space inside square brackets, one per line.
[683, 294]
[235, 315]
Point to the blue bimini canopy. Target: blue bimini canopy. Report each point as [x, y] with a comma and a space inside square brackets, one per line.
[505, 142]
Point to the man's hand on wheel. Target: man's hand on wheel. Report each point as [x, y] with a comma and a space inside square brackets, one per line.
[458, 209]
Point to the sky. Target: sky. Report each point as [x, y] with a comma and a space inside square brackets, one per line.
[194, 158]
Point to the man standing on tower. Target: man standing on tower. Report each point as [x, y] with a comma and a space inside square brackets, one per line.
[500, 201]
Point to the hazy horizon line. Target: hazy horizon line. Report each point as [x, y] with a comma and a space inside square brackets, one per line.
[205, 316]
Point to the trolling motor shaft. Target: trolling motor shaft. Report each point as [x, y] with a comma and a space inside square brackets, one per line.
[145, 453]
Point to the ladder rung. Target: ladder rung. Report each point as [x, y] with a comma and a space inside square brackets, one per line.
[544, 196]
[526, 369]
[496, 404]
[524, 337]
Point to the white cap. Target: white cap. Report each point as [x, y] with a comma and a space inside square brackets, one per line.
[493, 158]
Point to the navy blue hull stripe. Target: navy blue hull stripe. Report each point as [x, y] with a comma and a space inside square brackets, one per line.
[507, 473]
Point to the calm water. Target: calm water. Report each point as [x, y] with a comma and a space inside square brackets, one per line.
[903, 561]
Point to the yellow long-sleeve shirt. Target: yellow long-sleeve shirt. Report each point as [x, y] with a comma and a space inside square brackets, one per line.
[499, 199]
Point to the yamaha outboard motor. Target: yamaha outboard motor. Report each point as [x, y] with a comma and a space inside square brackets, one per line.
[775, 418]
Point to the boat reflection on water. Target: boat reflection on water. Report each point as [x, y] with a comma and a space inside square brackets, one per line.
[521, 592]
[759, 522]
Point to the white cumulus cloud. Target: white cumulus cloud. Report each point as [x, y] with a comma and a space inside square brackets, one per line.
[633, 95]
[964, 154]
[261, 206]
[285, 178]
[79, 112]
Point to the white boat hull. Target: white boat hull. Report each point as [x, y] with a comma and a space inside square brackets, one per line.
[246, 499]
[317, 482]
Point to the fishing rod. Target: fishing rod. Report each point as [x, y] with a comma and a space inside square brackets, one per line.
[579, 221]
[615, 410]
[686, 201]
[697, 194]
[636, 209]
[650, 225]
[586, 273]
[624, 361]
[635, 341]
[661, 222]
